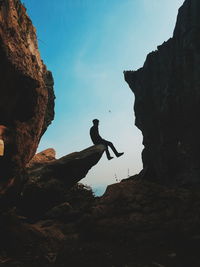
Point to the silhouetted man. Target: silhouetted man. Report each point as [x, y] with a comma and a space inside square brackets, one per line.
[97, 139]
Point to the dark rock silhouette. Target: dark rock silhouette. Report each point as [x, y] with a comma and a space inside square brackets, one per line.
[97, 139]
[26, 88]
[167, 97]
[134, 223]
[49, 180]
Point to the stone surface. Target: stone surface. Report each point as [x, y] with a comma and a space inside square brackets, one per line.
[42, 157]
[134, 223]
[59, 212]
[26, 88]
[48, 183]
[167, 97]
[140, 206]
[49, 113]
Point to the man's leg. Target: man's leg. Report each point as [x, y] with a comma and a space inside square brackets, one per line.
[107, 143]
[104, 142]
[108, 153]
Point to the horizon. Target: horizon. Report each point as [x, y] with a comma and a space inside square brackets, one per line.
[87, 45]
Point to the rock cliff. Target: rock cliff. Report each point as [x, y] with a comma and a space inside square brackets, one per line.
[167, 97]
[26, 88]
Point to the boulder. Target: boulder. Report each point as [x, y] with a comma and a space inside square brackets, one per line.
[26, 88]
[167, 97]
[41, 158]
[49, 182]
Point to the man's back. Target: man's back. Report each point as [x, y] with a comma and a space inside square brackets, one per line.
[94, 134]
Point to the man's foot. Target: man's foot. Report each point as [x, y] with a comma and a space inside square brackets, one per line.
[109, 158]
[120, 154]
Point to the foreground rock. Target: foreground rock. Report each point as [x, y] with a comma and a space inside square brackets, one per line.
[49, 182]
[167, 96]
[135, 223]
[26, 88]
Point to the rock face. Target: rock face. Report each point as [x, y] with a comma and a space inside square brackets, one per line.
[167, 97]
[26, 88]
[41, 158]
[49, 180]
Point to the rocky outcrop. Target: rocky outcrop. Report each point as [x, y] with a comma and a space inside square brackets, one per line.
[41, 158]
[26, 88]
[48, 182]
[167, 97]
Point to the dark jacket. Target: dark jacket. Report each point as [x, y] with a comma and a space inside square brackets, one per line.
[94, 134]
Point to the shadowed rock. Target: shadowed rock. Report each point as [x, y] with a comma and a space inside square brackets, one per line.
[45, 156]
[26, 89]
[167, 97]
[48, 182]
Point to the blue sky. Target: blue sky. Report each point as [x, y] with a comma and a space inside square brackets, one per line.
[87, 44]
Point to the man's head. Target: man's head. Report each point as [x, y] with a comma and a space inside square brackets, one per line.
[95, 122]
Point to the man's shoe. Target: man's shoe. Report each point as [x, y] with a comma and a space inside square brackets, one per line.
[120, 154]
[110, 158]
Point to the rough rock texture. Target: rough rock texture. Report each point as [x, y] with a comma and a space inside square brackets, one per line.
[49, 114]
[44, 156]
[49, 181]
[167, 97]
[26, 88]
[135, 224]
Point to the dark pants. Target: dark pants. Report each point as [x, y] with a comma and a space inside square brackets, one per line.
[108, 144]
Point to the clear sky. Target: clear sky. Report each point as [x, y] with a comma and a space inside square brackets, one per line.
[87, 44]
